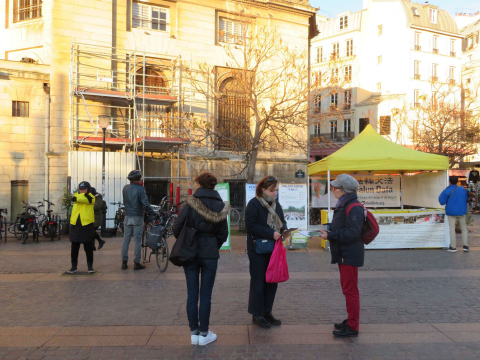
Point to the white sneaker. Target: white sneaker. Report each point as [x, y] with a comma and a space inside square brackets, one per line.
[195, 339]
[204, 340]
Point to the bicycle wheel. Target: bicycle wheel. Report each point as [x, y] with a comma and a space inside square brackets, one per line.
[234, 217]
[53, 231]
[144, 247]
[24, 236]
[18, 229]
[170, 222]
[161, 256]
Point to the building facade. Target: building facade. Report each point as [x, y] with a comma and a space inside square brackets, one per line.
[401, 52]
[120, 61]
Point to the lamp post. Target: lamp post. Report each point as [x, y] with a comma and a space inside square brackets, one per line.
[103, 122]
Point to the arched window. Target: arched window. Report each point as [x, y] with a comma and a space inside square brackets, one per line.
[233, 123]
[155, 81]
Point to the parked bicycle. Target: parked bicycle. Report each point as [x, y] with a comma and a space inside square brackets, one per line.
[119, 217]
[235, 217]
[50, 227]
[161, 253]
[2, 220]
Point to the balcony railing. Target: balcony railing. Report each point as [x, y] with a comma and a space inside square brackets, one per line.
[416, 76]
[452, 53]
[333, 136]
[346, 107]
[418, 47]
[435, 51]
[416, 105]
[451, 81]
[434, 78]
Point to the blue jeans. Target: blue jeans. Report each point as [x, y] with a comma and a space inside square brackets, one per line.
[133, 225]
[208, 269]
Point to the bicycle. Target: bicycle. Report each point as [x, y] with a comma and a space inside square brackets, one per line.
[235, 217]
[32, 226]
[21, 226]
[119, 217]
[162, 253]
[5, 211]
[50, 227]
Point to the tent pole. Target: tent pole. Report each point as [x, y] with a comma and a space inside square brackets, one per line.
[329, 195]
[308, 202]
[401, 200]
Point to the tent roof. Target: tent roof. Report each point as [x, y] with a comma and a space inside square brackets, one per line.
[370, 151]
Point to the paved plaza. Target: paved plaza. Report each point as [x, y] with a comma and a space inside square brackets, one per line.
[415, 304]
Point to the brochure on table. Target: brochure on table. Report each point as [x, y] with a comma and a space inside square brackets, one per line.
[224, 191]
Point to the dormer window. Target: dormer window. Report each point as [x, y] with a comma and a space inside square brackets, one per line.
[415, 11]
[343, 22]
[433, 16]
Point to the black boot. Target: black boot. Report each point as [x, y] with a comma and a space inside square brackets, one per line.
[269, 317]
[341, 325]
[124, 265]
[345, 332]
[73, 270]
[260, 321]
[138, 266]
[90, 268]
[100, 244]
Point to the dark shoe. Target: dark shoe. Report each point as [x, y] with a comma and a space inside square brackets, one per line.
[341, 325]
[269, 317]
[260, 321]
[90, 269]
[451, 249]
[101, 243]
[138, 266]
[465, 248]
[73, 270]
[124, 265]
[345, 332]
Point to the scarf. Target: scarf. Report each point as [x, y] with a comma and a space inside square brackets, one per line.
[136, 182]
[272, 220]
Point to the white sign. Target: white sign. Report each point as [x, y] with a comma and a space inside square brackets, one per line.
[293, 199]
[373, 191]
[249, 192]
[105, 79]
[379, 190]
[411, 230]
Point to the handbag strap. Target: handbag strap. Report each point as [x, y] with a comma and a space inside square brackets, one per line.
[188, 217]
[451, 194]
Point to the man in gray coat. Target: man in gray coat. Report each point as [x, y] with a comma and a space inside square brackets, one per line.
[136, 202]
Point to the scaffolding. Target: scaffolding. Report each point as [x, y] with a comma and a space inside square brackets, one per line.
[143, 96]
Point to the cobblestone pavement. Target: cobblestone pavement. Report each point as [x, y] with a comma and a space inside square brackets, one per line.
[411, 287]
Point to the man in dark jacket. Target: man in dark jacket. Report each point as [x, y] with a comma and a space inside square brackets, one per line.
[347, 249]
[136, 203]
[206, 212]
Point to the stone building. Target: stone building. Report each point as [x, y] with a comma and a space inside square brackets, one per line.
[118, 60]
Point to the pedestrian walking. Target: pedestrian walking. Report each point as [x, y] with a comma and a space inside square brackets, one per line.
[264, 219]
[347, 249]
[206, 212]
[455, 199]
[136, 204]
[82, 225]
[99, 210]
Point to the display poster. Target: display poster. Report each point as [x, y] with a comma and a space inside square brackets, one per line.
[249, 192]
[411, 230]
[224, 191]
[373, 191]
[293, 199]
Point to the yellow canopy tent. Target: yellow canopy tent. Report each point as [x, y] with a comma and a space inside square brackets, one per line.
[370, 151]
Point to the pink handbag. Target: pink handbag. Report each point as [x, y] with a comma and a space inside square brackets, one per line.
[277, 270]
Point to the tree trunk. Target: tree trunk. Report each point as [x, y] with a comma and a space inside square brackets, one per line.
[251, 167]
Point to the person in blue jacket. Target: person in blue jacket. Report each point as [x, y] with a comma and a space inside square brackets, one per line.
[454, 198]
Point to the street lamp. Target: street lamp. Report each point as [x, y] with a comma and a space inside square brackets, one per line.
[103, 122]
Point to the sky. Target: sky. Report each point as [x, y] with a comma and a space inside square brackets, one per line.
[338, 6]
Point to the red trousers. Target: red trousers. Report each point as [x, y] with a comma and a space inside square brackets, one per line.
[349, 282]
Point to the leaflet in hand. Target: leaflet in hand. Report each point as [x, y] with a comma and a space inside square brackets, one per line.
[288, 232]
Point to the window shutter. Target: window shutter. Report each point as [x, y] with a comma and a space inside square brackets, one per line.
[385, 125]
[238, 32]
[142, 16]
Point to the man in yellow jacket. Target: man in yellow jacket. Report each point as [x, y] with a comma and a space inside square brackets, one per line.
[82, 225]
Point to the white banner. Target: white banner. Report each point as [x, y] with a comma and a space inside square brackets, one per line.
[411, 230]
[373, 191]
[293, 198]
[249, 192]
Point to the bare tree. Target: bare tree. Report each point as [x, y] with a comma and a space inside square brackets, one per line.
[261, 95]
[445, 122]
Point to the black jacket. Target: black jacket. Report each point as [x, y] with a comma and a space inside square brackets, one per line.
[135, 200]
[346, 245]
[208, 215]
[256, 222]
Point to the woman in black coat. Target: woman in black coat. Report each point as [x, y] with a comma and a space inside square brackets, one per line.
[347, 249]
[264, 220]
[206, 212]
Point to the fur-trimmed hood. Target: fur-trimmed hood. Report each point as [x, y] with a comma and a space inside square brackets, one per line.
[209, 215]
